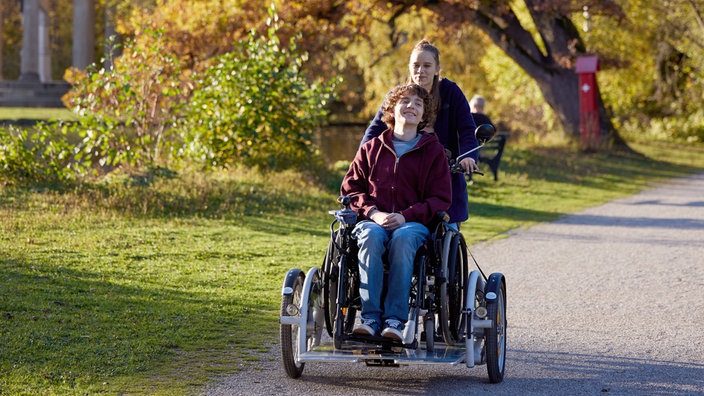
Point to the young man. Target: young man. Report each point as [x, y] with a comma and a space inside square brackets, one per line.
[397, 183]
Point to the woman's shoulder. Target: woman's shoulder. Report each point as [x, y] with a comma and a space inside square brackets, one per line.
[449, 88]
[452, 94]
[449, 85]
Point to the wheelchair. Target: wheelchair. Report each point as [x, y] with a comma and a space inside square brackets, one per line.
[436, 287]
[455, 315]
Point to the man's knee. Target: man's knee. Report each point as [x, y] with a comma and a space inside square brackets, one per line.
[414, 233]
[370, 237]
[406, 241]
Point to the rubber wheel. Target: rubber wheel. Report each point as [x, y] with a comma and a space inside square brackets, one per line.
[339, 312]
[429, 328]
[496, 337]
[352, 300]
[452, 291]
[330, 280]
[345, 315]
[289, 333]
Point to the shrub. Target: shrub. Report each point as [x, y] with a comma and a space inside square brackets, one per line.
[680, 128]
[37, 156]
[126, 112]
[254, 107]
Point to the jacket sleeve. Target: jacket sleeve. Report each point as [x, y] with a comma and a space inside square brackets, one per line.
[355, 184]
[465, 123]
[375, 128]
[437, 187]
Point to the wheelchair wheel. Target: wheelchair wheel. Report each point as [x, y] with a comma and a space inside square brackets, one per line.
[340, 287]
[475, 338]
[292, 304]
[452, 290]
[330, 282]
[496, 336]
[429, 328]
[344, 311]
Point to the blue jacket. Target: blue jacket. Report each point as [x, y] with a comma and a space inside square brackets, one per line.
[454, 127]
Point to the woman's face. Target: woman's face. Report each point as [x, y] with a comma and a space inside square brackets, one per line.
[423, 68]
[409, 109]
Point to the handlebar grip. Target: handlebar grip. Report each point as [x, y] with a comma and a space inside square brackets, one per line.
[456, 168]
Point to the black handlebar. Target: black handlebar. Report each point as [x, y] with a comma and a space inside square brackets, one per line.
[457, 168]
[483, 133]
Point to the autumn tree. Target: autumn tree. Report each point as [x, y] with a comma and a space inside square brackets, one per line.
[2, 20]
[549, 58]
[10, 38]
[546, 51]
[367, 41]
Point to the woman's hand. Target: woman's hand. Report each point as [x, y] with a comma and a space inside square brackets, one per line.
[469, 165]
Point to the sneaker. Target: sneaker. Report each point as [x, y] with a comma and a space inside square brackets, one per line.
[368, 327]
[393, 329]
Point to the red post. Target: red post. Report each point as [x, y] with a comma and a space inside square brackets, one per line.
[587, 66]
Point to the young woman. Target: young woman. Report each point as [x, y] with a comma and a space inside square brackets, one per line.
[397, 183]
[453, 124]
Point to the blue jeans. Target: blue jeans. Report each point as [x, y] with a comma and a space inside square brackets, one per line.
[402, 243]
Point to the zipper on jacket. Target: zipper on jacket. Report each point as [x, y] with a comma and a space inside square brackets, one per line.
[398, 159]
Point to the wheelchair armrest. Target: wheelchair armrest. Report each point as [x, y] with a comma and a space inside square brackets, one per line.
[442, 216]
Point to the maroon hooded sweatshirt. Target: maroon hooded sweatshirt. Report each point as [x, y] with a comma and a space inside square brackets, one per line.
[416, 185]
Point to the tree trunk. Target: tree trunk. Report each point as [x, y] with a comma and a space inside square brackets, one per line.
[2, 37]
[551, 66]
[561, 91]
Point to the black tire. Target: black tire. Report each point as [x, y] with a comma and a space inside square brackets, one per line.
[342, 291]
[338, 317]
[429, 327]
[337, 335]
[352, 301]
[496, 337]
[289, 333]
[330, 279]
[457, 289]
[452, 291]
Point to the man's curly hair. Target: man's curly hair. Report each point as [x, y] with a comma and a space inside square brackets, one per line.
[396, 94]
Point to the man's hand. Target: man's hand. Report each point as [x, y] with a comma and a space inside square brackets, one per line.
[390, 221]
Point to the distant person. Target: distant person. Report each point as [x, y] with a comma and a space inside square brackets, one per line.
[477, 105]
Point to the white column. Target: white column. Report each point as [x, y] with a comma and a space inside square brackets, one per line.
[44, 46]
[83, 33]
[29, 55]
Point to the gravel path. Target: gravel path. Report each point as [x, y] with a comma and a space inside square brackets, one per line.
[606, 301]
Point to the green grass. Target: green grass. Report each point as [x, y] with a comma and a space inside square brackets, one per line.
[538, 185]
[30, 113]
[159, 287]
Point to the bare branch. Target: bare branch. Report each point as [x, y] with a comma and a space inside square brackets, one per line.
[697, 14]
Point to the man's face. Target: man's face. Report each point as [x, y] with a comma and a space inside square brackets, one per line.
[409, 109]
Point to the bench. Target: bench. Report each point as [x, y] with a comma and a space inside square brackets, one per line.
[492, 151]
